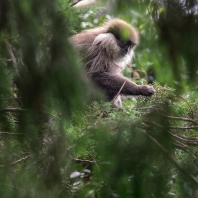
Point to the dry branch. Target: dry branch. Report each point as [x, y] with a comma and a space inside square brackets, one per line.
[12, 110]
[81, 160]
[10, 133]
[16, 162]
[180, 118]
[183, 128]
[119, 92]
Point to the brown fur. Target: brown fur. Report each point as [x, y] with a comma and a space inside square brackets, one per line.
[84, 40]
[106, 53]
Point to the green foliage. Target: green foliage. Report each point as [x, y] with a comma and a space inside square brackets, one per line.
[126, 162]
[54, 143]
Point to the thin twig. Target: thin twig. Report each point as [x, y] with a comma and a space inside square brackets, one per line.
[190, 138]
[13, 98]
[158, 125]
[80, 160]
[12, 110]
[13, 38]
[12, 57]
[7, 185]
[184, 128]
[5, 59]
[118, 92]
[98, 119]
[167, 116]
[191, 110]
[94, 161]
[179, 118]
[184, 139]
[179, 146]
[16, 162]
[10, 133]
[171, 158]
[73, 4]
[154, 107]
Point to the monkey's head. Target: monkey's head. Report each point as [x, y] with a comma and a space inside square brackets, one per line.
[118, 40]
[107, 46]
[125, 35]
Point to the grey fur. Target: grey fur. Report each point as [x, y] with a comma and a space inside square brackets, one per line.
[105, 61]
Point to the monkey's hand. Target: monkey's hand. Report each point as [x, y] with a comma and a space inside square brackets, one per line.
[113, 84]
[146, 90]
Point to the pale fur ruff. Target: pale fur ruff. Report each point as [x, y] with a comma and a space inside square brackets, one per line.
[105, 45]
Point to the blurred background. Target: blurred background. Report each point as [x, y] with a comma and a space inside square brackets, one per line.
[59, 140]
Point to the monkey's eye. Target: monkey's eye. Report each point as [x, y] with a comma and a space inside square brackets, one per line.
[128, 44]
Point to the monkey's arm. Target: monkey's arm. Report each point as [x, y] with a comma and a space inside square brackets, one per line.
[112, 84]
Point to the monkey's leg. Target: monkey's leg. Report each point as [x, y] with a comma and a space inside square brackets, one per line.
[113, 84]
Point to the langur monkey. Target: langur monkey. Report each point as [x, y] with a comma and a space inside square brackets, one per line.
[106, 51]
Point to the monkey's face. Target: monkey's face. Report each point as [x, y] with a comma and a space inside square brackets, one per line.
[124, 38]
[125, 46]
[116, 49]
[116, 43]
[125, 53]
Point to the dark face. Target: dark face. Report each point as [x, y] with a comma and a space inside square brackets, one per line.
[125, 45]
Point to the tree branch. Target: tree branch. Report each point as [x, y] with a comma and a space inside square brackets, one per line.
[16, 162]
[180, 118]
[171, 158]
[119, 92]
[184, 128]
[10, 133]
[87, 161]
[12, 110]
[12, 57]
[191, 110]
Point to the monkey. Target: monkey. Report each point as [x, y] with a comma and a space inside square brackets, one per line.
[106, 51]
